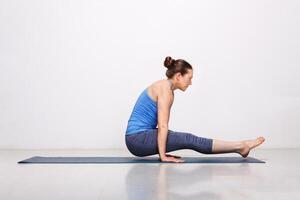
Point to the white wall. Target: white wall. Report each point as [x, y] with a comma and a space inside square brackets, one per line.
[71, 71]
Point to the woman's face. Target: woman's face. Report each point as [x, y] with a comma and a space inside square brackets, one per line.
[185, 80]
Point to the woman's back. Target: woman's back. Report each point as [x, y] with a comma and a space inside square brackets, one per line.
[144, 113]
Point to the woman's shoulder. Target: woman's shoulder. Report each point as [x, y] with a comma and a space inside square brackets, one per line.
[157, 85]
[155, 88]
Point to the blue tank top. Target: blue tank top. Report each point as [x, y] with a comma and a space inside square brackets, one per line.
[144, 114]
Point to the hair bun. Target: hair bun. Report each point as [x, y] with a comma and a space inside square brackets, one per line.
[169, 62]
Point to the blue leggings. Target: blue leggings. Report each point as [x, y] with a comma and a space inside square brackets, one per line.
[144, 143]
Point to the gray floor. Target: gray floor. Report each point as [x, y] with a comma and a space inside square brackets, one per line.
[278, 178]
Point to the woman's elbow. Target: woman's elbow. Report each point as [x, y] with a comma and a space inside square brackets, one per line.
[162, 126]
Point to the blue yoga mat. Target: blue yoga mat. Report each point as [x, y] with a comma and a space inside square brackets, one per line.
[103, 160]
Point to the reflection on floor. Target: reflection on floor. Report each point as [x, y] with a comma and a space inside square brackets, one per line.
[278, 178]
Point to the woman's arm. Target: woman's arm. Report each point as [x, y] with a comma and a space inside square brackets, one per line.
[164, 103]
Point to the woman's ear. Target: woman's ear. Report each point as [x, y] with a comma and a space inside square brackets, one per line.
[177, 76]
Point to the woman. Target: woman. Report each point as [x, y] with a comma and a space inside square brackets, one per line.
[153, 109]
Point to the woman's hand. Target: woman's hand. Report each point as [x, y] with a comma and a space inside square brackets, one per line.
[170, 159]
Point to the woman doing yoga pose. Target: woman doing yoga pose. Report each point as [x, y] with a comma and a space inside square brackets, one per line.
[148, 132]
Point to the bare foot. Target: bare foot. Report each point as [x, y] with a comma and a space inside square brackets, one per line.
[250, 144]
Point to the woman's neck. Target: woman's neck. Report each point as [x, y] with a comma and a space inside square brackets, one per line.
[172, 87]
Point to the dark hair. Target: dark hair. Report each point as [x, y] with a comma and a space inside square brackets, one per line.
[175, 66]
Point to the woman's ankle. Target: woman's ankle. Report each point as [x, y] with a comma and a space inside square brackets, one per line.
[239, 146]
[243, 149]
